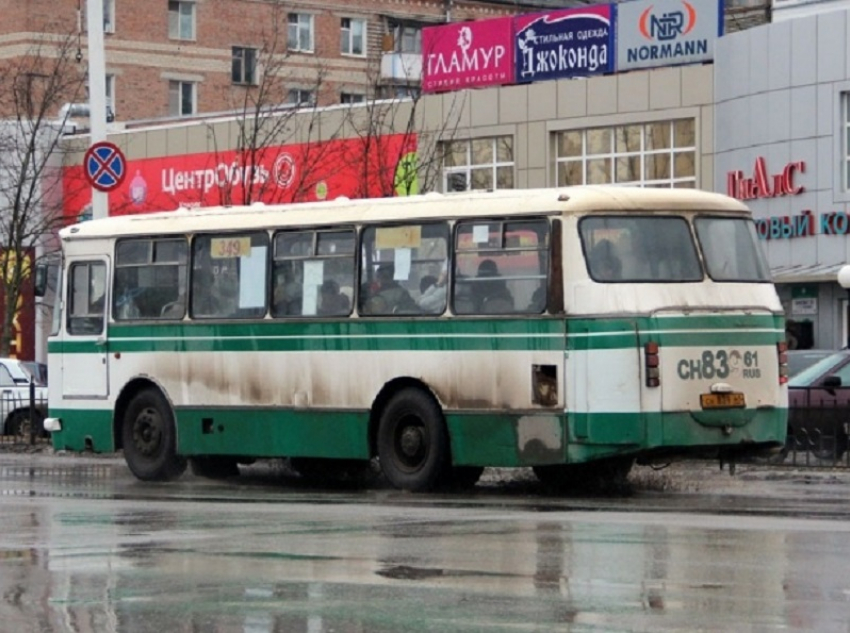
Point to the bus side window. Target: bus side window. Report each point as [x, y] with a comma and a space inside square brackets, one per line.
[150, 278]
[311, 271]
[501, 267]
[86, 298]
[404, 269]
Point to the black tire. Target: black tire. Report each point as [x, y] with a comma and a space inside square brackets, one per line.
[214, 467]
[18, 424]
[150, 438]
[413, 446]
[603, 475]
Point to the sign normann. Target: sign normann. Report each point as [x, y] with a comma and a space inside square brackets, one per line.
[663, 32]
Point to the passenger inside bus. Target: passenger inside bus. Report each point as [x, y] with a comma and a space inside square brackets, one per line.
[604, 263]
[432, 298]
[332, 301]
[388, 296]
[287, 291]
[490, 293]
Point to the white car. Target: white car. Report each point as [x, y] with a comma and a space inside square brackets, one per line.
[15, 407]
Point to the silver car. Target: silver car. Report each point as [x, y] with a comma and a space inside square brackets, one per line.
[16, 409]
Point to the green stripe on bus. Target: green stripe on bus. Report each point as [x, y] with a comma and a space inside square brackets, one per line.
[442, 335]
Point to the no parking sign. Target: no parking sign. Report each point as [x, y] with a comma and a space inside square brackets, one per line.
[105, 166]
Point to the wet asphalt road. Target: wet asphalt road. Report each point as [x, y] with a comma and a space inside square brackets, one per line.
[85, 547]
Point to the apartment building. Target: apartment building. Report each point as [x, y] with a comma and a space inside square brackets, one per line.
[173, 58]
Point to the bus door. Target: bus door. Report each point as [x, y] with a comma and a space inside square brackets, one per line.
[84, 359]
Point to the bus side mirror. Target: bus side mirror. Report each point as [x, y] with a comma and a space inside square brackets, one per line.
[40, 280]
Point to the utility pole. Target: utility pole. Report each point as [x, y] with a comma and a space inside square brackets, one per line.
[97, 93]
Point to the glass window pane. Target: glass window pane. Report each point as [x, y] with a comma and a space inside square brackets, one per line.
[504, 177]
[731, 250]
[656, 166]
[628, 169]
[569, 143]
[482, 178]
[505, 149]
[482, 151]
[599, 141]
[229, 276]
[456, 153]
[336, 243]
[629, 248]
[570, 173]
[628, 138]
[688, 184]
[129, 252]
[658, 135]
[683, 164]
[598, 171]
[293, 244]
[684, 133]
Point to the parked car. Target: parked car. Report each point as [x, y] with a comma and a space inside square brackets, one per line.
[15, 378]
[800, 359]
[819, 407]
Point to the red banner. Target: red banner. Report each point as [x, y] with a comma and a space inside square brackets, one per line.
[357, 168]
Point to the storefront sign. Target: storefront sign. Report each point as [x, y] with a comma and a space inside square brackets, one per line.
[467, 55]
[804, 307]
[763, 185]
[665, 32]
[566, 43]
[287, 173]
[803, 225]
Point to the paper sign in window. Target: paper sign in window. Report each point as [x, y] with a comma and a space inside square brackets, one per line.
[252, 278]
[313, 277]
[398, 237]
[481, 233]
[401, 260]
[227, 247]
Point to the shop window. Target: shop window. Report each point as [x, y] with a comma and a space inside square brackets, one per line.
[658, 154]
[483, 164]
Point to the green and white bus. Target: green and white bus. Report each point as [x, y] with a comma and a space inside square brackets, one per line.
[573, 330]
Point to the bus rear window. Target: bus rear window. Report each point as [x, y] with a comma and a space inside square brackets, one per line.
[639, 249]
[730, 249]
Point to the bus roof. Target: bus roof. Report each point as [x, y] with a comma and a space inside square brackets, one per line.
[564, 200]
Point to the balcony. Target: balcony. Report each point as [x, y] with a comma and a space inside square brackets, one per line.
[403, 67]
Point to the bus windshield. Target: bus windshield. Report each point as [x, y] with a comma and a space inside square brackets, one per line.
[622, 248]
[730, 249]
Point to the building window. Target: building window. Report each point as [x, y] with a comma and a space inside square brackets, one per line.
[483, 163]
[407, 37]
[300, 33]
[845, 106]
[110, 98]
[244, 66]
[351, 97]
[299, 96]
[182, 98]
[352, 37]
[109, 16]
[660, 154]
[181, 19]
[398, 91]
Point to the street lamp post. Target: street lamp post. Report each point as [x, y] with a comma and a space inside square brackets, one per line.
[844, 282]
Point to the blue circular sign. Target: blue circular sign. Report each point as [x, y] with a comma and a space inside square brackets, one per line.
[105, 166]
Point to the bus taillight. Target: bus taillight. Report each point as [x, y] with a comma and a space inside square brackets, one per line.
[782, 354]
[650, 358]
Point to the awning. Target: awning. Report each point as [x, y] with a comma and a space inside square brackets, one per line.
[811, 273]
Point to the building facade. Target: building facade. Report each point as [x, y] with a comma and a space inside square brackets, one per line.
[783, 122]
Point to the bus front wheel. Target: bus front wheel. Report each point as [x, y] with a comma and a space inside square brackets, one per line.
[150, 438]
[413, 446]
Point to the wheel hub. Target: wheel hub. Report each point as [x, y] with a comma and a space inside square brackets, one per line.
[411, 441]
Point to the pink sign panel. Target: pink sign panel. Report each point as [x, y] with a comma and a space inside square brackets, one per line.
[467, 55]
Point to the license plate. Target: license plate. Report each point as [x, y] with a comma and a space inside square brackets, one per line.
[721, 400]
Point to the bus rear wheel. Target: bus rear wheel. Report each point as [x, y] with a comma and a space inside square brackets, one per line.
[413, 446]
[150, 438]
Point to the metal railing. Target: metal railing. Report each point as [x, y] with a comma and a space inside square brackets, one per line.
[22, 415]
